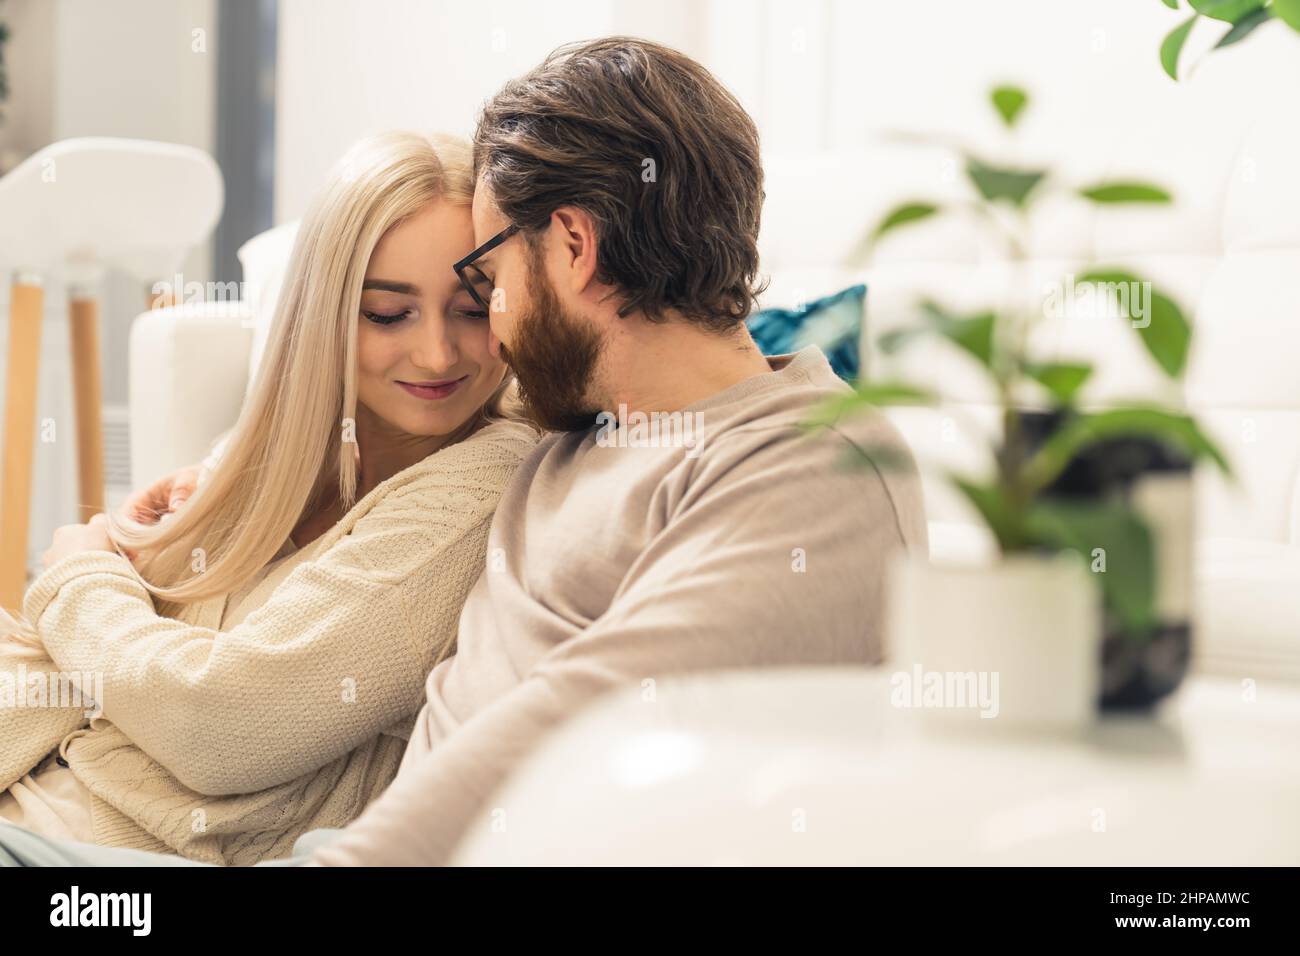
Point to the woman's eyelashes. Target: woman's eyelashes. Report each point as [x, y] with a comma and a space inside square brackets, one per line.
[381, 318]
[466, 309]
[469, 309]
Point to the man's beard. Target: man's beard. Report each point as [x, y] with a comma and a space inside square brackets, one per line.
[553, 358]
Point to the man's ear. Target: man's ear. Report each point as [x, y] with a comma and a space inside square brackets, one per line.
[576, 232]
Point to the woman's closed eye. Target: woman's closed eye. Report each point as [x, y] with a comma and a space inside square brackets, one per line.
[468, 308]
[382, 318]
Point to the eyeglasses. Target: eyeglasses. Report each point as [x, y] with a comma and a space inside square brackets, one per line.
[471, 277]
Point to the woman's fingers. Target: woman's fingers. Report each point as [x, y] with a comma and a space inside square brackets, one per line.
[162, 497]
[145, 506]
[183, 485]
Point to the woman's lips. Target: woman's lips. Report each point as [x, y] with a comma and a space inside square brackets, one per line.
[431, 392]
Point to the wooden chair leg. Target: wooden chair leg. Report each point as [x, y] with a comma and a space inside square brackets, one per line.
[26, 305]
[88, 392]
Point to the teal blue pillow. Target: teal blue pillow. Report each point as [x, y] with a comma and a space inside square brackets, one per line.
[834, 324]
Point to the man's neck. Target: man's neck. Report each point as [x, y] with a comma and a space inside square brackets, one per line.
[664, 367]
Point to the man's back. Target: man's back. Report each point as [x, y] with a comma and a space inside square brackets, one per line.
[725, 537]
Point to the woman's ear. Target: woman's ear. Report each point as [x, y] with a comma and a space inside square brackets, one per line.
[576, 232]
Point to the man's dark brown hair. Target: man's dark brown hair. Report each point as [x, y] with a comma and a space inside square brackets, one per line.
[656, 151]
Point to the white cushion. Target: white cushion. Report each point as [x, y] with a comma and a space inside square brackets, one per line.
[187, 379]
[264, 259]
[1248, 603]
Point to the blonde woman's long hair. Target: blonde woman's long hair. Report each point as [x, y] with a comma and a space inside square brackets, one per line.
[288, 445]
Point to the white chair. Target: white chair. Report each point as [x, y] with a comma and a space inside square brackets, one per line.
[72, 211]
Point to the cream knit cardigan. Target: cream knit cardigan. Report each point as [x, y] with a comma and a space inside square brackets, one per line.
[225, 746]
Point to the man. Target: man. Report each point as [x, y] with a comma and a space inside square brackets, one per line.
[617, 212]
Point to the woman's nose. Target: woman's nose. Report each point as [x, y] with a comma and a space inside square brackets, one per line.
[436, 349]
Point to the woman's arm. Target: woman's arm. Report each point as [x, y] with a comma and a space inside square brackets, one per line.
[337, 654]
[31, 727]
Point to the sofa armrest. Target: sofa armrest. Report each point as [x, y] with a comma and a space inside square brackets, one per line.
[188, 374]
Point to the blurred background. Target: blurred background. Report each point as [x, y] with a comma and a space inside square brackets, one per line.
[275, 90]
[863, 106]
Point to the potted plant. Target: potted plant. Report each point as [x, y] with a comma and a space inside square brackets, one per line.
[1076, 531]
[1243, 17]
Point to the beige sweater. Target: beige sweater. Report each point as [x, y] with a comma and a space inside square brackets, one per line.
[613, 565]
[225, 743]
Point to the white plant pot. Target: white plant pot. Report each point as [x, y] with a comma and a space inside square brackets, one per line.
[1010, 645]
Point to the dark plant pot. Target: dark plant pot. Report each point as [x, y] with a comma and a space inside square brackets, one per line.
[1154, 479]
[1135, 673]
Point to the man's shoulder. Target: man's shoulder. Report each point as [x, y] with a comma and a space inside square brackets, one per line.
[786, 415]
[861, 457]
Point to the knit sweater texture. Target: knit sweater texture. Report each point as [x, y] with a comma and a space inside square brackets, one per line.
[227, 732]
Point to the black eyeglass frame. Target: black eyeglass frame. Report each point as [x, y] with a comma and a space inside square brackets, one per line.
[478, 253]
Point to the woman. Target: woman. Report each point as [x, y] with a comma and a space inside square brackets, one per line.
[264, 656]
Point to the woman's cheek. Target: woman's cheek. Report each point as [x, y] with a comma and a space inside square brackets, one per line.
[373, 351]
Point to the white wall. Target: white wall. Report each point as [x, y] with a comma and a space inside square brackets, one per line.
[828, 80]
[823, 79]
[347, 69]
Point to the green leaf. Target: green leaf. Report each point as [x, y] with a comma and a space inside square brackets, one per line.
[900, 215]
[1228, 11]
[992, 504]
[1288, 11]
[1143, 421]
[1171, 4]
[1168, 334]
[973, 333]
[1165, 332]
[866, 395]
[903, 214]
[1244, 28]
[1125, 191]
[1112, 533]
[995, 183]
[1172, 47]
[1062, 379]
[1009, 101]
